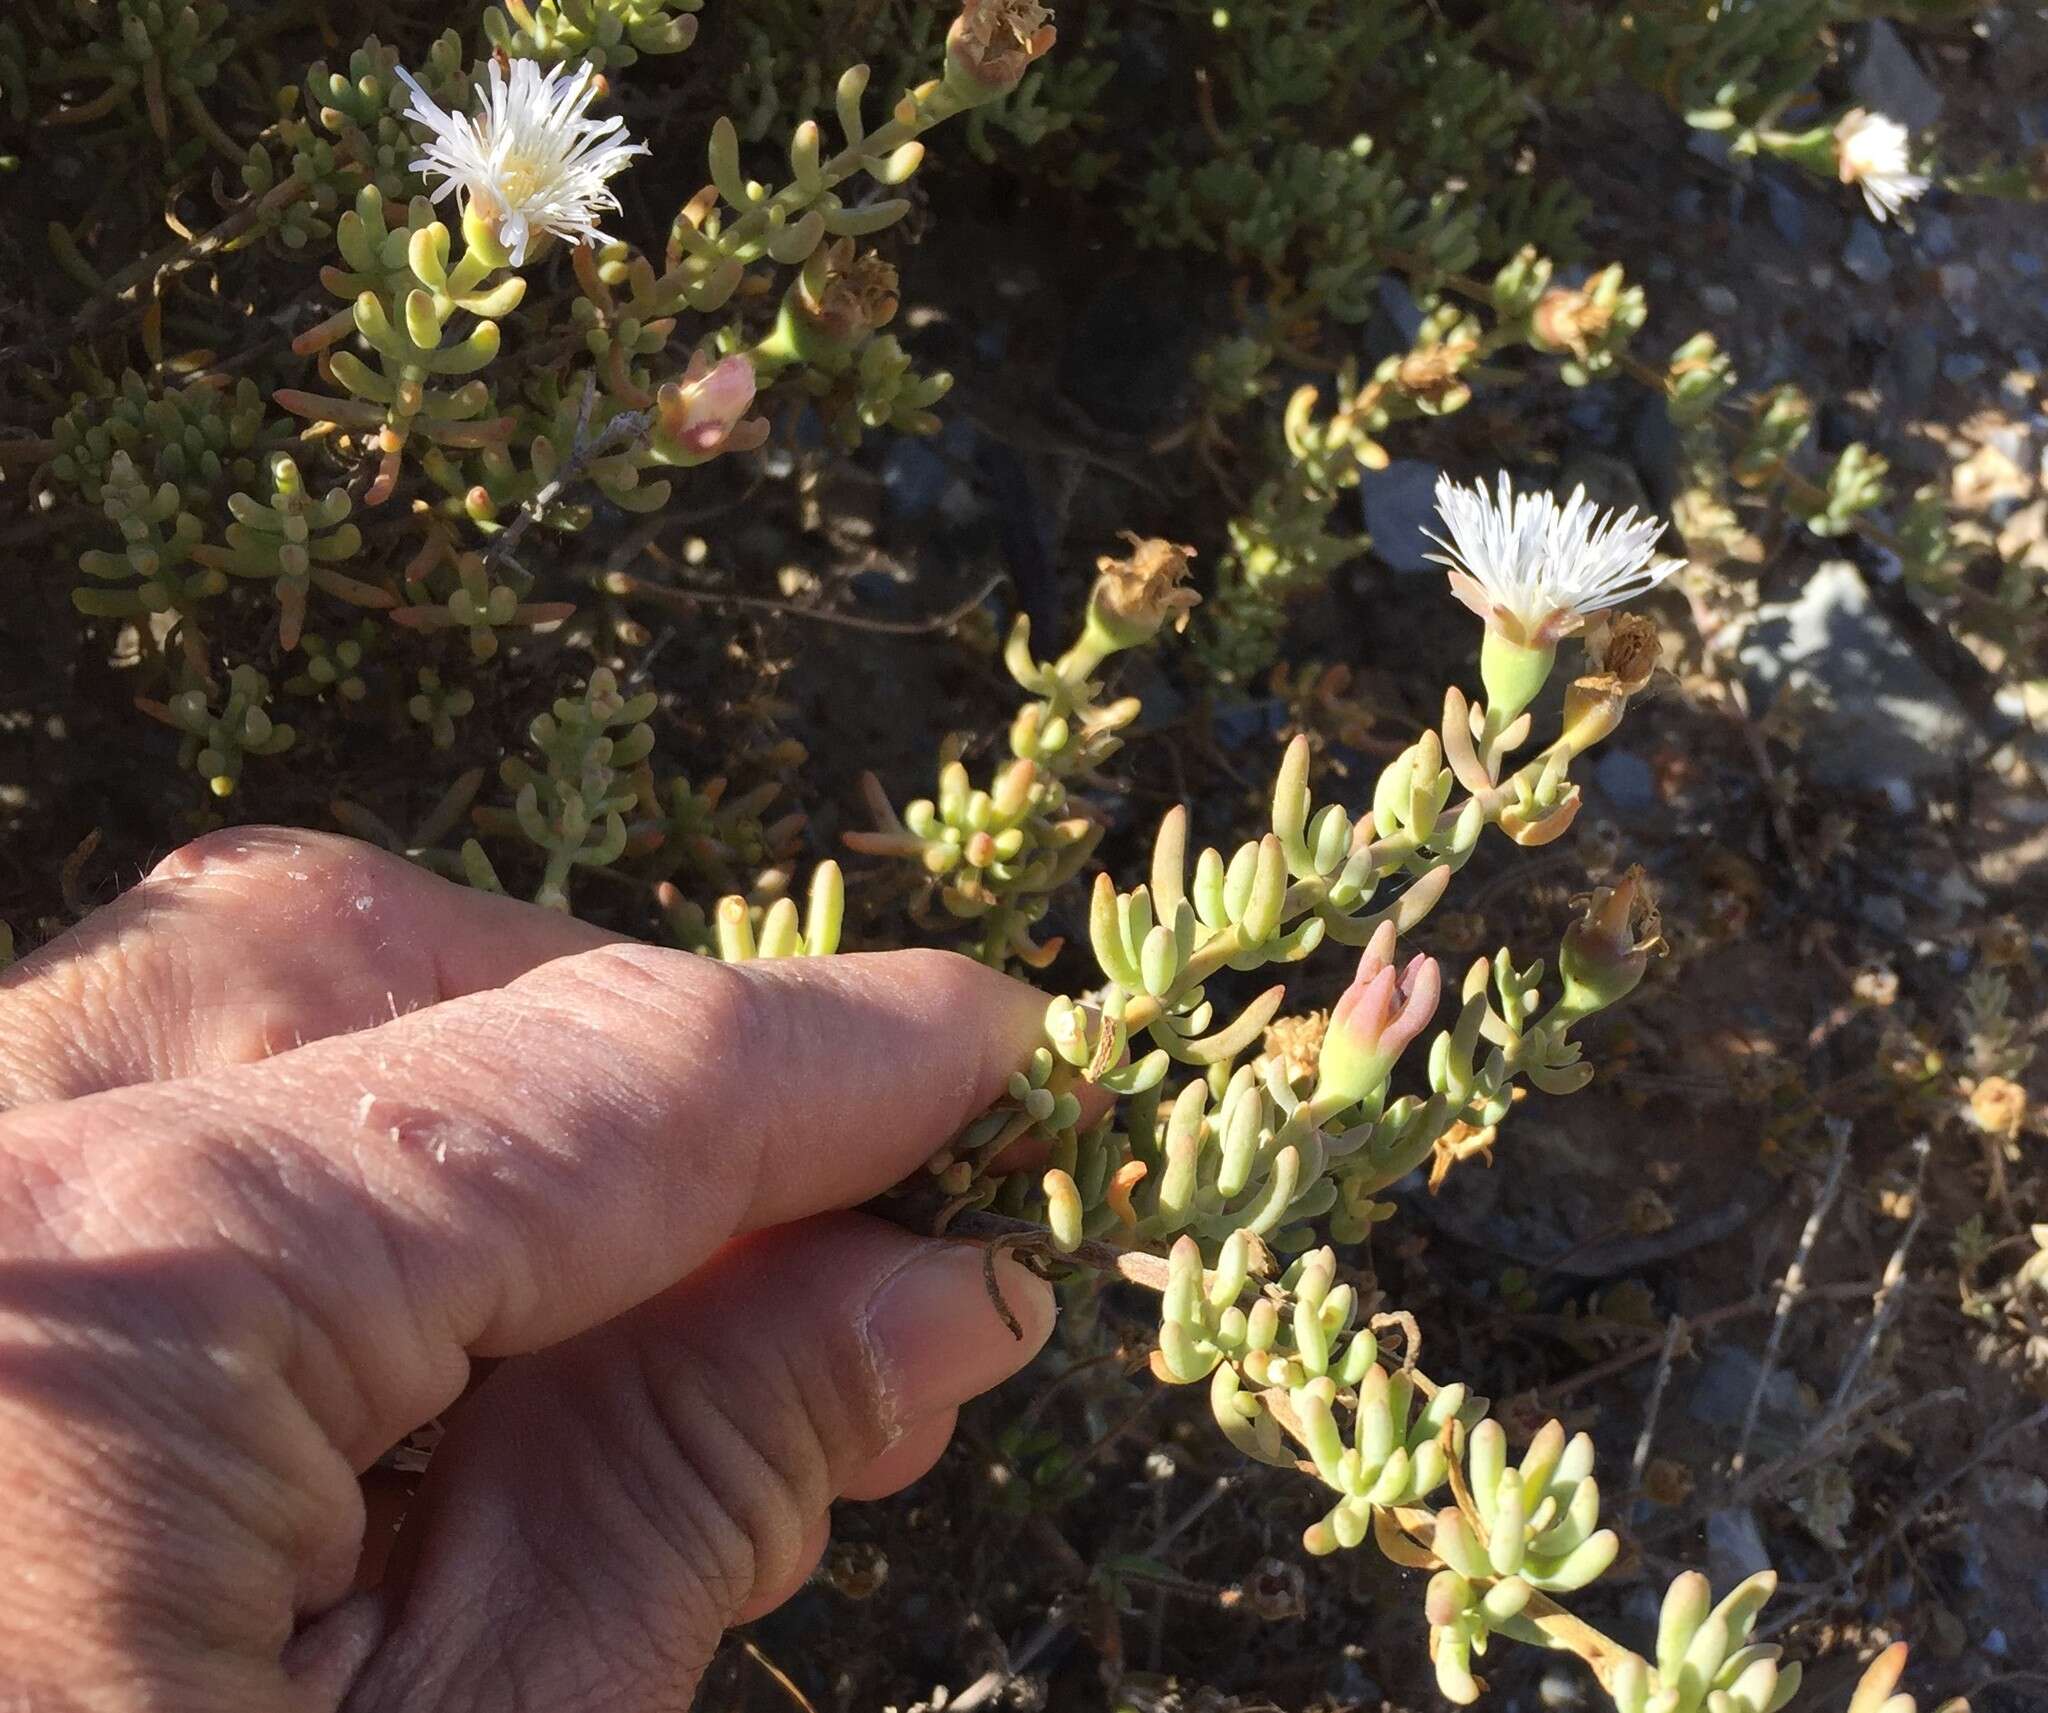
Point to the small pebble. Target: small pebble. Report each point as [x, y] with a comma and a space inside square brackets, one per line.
[1865, 255]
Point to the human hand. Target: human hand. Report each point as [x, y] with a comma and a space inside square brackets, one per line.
[293, 1132]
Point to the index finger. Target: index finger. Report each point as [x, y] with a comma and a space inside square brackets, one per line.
[503, 1170]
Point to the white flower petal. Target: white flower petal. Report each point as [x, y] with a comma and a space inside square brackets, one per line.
[530, 160]
[1543, 566]
[1874, 153]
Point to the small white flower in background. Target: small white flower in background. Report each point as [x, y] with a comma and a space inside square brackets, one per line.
[1533, 569]
[1872, 153]
[530, 162]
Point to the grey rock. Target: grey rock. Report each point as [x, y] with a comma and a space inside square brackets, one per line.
[1713, 146]
[1653, 444]
[1625, 780]
[2027, 264]
[1883, 715]
[1996, 1645]
[1717, 299]
[1561, 1691]
[1936, 234]
[1592, 413]
[1888, 79]
[1865, 255]
[1399, 504]
[1726, 1381]
[1964, 367]
[915, 479]
[1886, 911]
[1735, 1546]
[1787, 208]
[1395, 320]
[2012, 440]
[1959, 291]
[1910, 367]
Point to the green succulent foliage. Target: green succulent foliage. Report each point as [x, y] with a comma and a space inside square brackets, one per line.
[1855, 484]
[295, 543]
[438, 706]
[334, 668]
[1778, 427]
[572, 806]
[779, 929]
[1928, 549]
[157, 565]
[484, 600]
[223, 728]
[202, 438]
[163, 55]
[1705, 1662]
[993, 856]
[14, 72]
[343, 132]
[606, 35]
[1725, 67]
[1395, 1455]
[780, 73]
[713, 839]
[423, 323]
[1699, 377]
[1280, 546]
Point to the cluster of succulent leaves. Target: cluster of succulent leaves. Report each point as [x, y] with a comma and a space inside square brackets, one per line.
[1327, 155]
[353, 543]
[1231, 1191]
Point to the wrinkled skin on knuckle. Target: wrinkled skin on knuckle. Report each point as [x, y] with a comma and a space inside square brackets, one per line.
[164, 1493]
[326, 937]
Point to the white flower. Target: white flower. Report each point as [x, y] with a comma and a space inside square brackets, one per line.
[530, 162]
[1872, 152]
[1533, 569]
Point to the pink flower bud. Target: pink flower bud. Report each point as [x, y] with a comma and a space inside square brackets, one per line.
[702, 411]
[1382, 1011]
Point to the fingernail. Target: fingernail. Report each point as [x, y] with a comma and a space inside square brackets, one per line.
[933, 1332]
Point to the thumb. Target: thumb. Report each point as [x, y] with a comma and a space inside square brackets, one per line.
[600, 1512]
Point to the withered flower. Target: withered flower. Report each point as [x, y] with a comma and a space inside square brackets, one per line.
[1606, 951]
[993, 42]
[1998, 1105]
[847, 295]
[1628, 650]
[1567, 319]
[1296, 1043]
[1433, 376]
[1135, 595]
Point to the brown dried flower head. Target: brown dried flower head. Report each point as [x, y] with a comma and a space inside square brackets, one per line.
[1432, 376]
[995, 41]
[1135, 595]
[1999, 1105]
[1566, 319]
[845, 294]
[1296, 1043]
[1627, 650]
